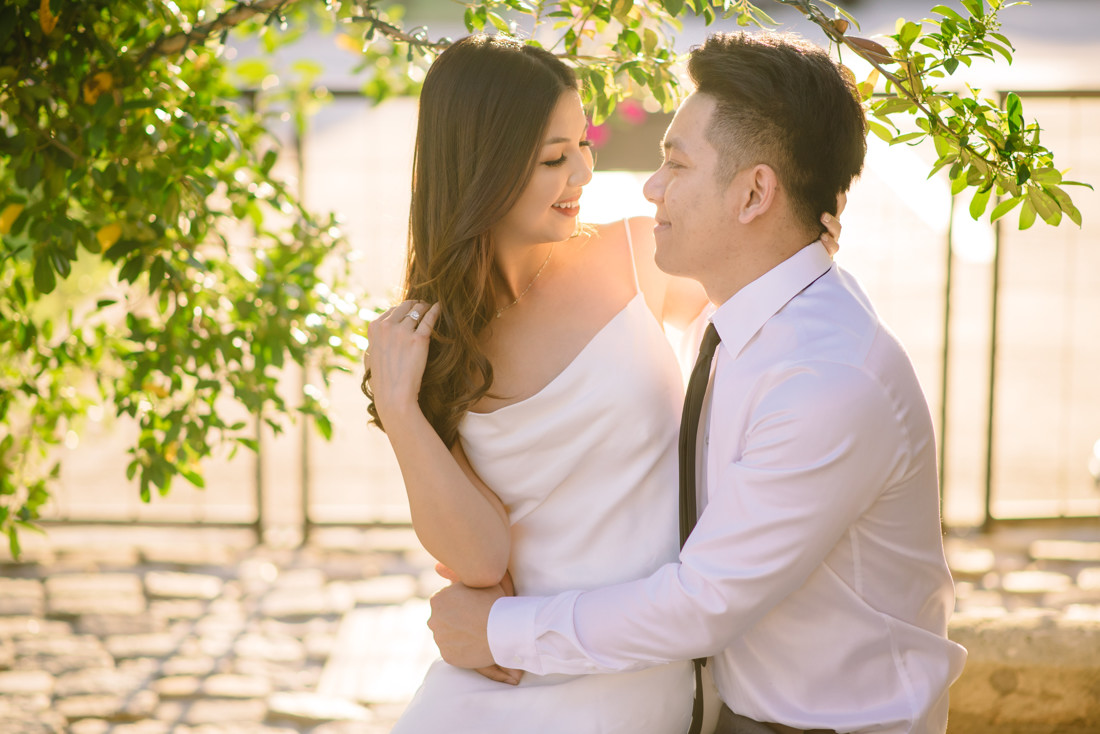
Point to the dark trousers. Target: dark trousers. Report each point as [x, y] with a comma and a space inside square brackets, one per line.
[731, 723]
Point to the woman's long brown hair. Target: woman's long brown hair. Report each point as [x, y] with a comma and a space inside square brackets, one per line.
[484, 109]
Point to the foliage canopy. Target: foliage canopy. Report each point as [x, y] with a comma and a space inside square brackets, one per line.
[152, 260]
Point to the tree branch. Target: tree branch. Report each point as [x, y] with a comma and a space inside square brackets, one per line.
[242, 11]
[416, 38]
[815, 16]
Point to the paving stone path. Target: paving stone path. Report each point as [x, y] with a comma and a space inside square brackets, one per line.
[200, 638]
[195, 636]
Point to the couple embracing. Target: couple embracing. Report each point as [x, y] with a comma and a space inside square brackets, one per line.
[537, 413]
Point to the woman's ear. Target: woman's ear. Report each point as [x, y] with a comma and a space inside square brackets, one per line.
[757, 192]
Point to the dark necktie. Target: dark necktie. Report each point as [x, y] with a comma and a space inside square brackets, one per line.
[689, 429]
[689, 432]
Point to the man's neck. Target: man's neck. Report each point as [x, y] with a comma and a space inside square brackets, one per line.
[761, 256]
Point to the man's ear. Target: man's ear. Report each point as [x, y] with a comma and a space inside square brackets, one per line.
[756, 193]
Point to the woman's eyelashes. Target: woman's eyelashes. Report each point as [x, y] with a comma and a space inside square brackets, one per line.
[561, 159]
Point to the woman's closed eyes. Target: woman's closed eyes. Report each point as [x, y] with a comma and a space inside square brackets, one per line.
[559, 161]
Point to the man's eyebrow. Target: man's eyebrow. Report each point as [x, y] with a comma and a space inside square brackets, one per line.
[670, 144]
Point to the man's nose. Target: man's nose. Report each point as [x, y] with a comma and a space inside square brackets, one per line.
[654, 188]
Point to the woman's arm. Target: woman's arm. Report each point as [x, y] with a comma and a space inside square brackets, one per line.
[456, 516]
[675, 301]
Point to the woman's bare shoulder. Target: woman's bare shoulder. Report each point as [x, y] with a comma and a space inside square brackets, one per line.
[613, 234]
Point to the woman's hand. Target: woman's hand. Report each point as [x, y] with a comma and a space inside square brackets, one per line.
[397, 354]
[510, 676]
[830, 238]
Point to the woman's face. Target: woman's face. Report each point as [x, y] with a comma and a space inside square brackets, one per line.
[548, 208]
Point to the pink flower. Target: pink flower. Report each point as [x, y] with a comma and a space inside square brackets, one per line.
[632, 111]
[598, 134]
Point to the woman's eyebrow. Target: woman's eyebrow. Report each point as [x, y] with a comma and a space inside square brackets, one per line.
[553, 141]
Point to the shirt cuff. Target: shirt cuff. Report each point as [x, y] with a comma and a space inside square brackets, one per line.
[511, 633]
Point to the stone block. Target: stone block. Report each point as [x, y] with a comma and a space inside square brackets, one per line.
[300, 579]
[154, 645]
[177, 686]
[268, 647]
[334, 599]
[188, 553]
[94, 584]
[90, 726]
[172, 585]
[190, 665]
[174, 609]
[57, 655]
[19, 627]
[1089, 578]
[224, 711]
[106, 625]
[145, 726]
[26, 683]
[112, 707]
[101, 681]
[99, 555]
[1034, 673]
[23, 706]
[22, 597]
[148, 726]
[235, 686]
[74, 594]
[36, 722]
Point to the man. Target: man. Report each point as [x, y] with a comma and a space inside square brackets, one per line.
[815, 576]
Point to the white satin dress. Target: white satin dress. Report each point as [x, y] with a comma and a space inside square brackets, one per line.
[587, 468]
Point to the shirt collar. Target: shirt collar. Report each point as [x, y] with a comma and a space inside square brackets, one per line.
[744, 314]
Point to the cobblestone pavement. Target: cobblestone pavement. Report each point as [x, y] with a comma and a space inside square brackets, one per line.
[187, 632]
[184, 634]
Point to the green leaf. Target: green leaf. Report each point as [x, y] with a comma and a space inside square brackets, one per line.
[978, 203]
[1027, 214]
[976, 7]
[1046, 175]
[1015, 109]
[1004, 208]
[44, 280]
[947, 12]
[194, 477]
[631, 39]
[907, 137]
[499, 23]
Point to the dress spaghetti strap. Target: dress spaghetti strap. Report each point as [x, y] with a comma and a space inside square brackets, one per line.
[633, 264]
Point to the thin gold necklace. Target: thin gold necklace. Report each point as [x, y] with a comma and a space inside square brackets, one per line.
[524, 293]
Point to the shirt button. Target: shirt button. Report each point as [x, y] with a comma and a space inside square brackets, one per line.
[517, 659]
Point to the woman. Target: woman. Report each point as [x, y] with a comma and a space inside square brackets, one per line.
[534, 406]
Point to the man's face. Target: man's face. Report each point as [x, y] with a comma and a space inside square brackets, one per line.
[695, 219]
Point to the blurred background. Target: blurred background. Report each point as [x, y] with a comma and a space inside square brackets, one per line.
[1003, 325]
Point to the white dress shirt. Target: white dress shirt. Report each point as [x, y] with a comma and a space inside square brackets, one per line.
[816, 575]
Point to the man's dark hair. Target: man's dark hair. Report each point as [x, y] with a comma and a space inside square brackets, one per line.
[782, 101]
